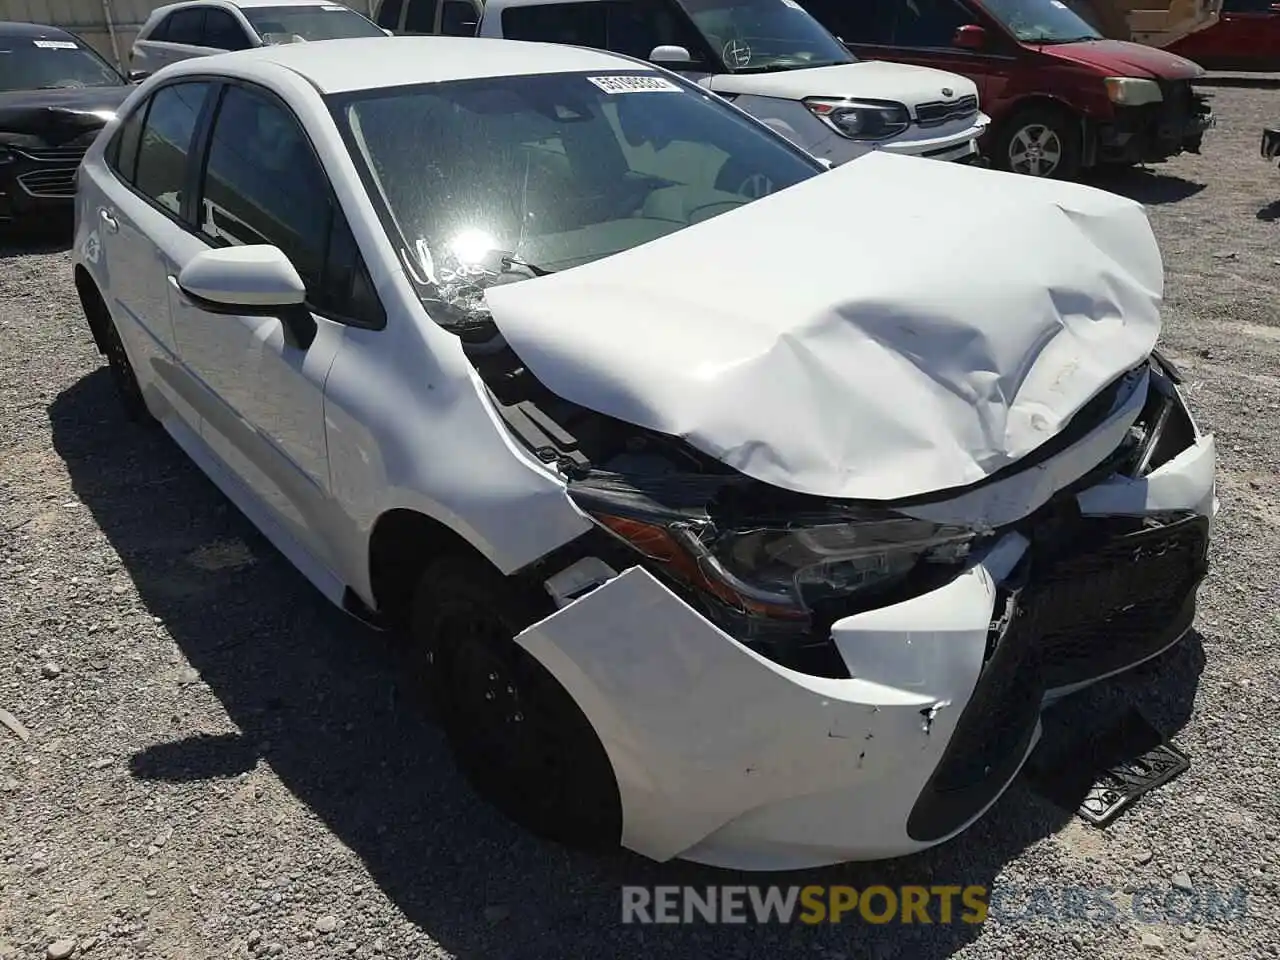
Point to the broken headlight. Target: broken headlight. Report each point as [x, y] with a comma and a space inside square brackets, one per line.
[783, 571]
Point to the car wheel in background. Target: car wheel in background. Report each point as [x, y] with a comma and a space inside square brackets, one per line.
[1039, 141]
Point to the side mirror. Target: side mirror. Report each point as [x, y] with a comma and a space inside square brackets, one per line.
[137, 76]
[970, 37]
[256, 281]
[669, 53]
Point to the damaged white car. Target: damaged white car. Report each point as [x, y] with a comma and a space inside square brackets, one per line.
[724, 529]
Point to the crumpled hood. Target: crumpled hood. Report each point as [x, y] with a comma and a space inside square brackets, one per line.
[1120, 58]
[891, 328]
[59, 116]
[866, 80]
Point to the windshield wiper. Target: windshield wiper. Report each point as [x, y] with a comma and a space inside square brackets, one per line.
[508, 259]
[1042, 39]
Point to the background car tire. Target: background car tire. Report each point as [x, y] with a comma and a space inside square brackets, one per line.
[1045, 133]
[515, 733]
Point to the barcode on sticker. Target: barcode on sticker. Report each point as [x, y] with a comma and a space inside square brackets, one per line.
[54, 44]
[635, 84]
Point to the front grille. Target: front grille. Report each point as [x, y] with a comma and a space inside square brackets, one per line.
[1099, 611]
[71, 154]
[1112, 598]
[944, 111]
[53, 182]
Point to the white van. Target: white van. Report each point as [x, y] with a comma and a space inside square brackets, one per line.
[773, 60]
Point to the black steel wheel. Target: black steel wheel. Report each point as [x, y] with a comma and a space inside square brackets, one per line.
[515, 733]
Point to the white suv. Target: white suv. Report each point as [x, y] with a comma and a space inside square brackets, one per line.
[203, 27]
[773, 60]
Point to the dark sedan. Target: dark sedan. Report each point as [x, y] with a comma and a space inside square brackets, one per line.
[56, 93]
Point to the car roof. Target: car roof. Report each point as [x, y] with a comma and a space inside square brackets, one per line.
[247, 4]
[13, 28]
[403, 61]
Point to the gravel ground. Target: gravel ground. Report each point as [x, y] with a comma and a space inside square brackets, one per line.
[218, 763]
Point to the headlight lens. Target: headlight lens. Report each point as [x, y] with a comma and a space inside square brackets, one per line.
[6, 155]
[781, 571]
[1132, 92]
[861, 119]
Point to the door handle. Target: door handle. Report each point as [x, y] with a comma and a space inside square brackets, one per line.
[108, 220]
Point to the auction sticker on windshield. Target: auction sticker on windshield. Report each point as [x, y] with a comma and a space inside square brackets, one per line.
[635, 84]
[54, 44]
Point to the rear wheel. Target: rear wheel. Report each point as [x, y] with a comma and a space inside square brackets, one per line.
[1040, 141]
[108, 338]
[515, 733]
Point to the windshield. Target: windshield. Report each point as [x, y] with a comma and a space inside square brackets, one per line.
[321, 22]
[1041, 21]
[757, 36]
[495, 180]
[45, 63]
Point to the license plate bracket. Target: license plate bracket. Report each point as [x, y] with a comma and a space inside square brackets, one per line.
[1102, 775]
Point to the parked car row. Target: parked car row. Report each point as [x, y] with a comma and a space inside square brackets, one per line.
[1029, 81]
[717, 524]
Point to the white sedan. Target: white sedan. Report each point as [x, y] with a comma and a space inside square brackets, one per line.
[723, 528]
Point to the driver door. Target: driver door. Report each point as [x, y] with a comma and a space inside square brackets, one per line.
[262, 406]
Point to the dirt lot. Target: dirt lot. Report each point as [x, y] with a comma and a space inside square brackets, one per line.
[219, 764]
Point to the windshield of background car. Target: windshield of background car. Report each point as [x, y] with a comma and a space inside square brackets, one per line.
[46, 63]
[320, 22]
[1041, 21]
[756, 36]
[497, 180]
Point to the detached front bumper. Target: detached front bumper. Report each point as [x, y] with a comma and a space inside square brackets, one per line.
[1157, 131]
[725, 757]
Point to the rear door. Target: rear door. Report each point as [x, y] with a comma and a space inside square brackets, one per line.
[183, 37]
[140, 221]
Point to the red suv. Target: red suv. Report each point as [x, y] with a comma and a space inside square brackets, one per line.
[1060, 97]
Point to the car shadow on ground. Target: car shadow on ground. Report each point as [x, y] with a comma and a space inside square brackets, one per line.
[1144, 184]
[1270, 213]
[30, 243]
[315, 697]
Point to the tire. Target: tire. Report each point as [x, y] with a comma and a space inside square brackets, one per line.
[108, 338]
[515, 733]
[1032, 137]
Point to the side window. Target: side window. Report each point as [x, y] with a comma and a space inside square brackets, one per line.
[389, 14]
[868, 21]
[122, 152]
[263, 184]
[161, 32]
[578, 23]
[187, 26]
[161, 167]
[929, 23]
[1248, 6]
[223, 32]
[635, 27]
[421, 17]
[459, 18]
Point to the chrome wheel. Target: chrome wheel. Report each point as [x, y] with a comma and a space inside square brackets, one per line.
[1035, 150]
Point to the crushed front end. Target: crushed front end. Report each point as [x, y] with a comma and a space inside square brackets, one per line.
[783, 681]
[1153, 132]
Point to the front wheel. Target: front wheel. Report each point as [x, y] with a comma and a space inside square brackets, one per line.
[515, 733]
[1040, 142]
